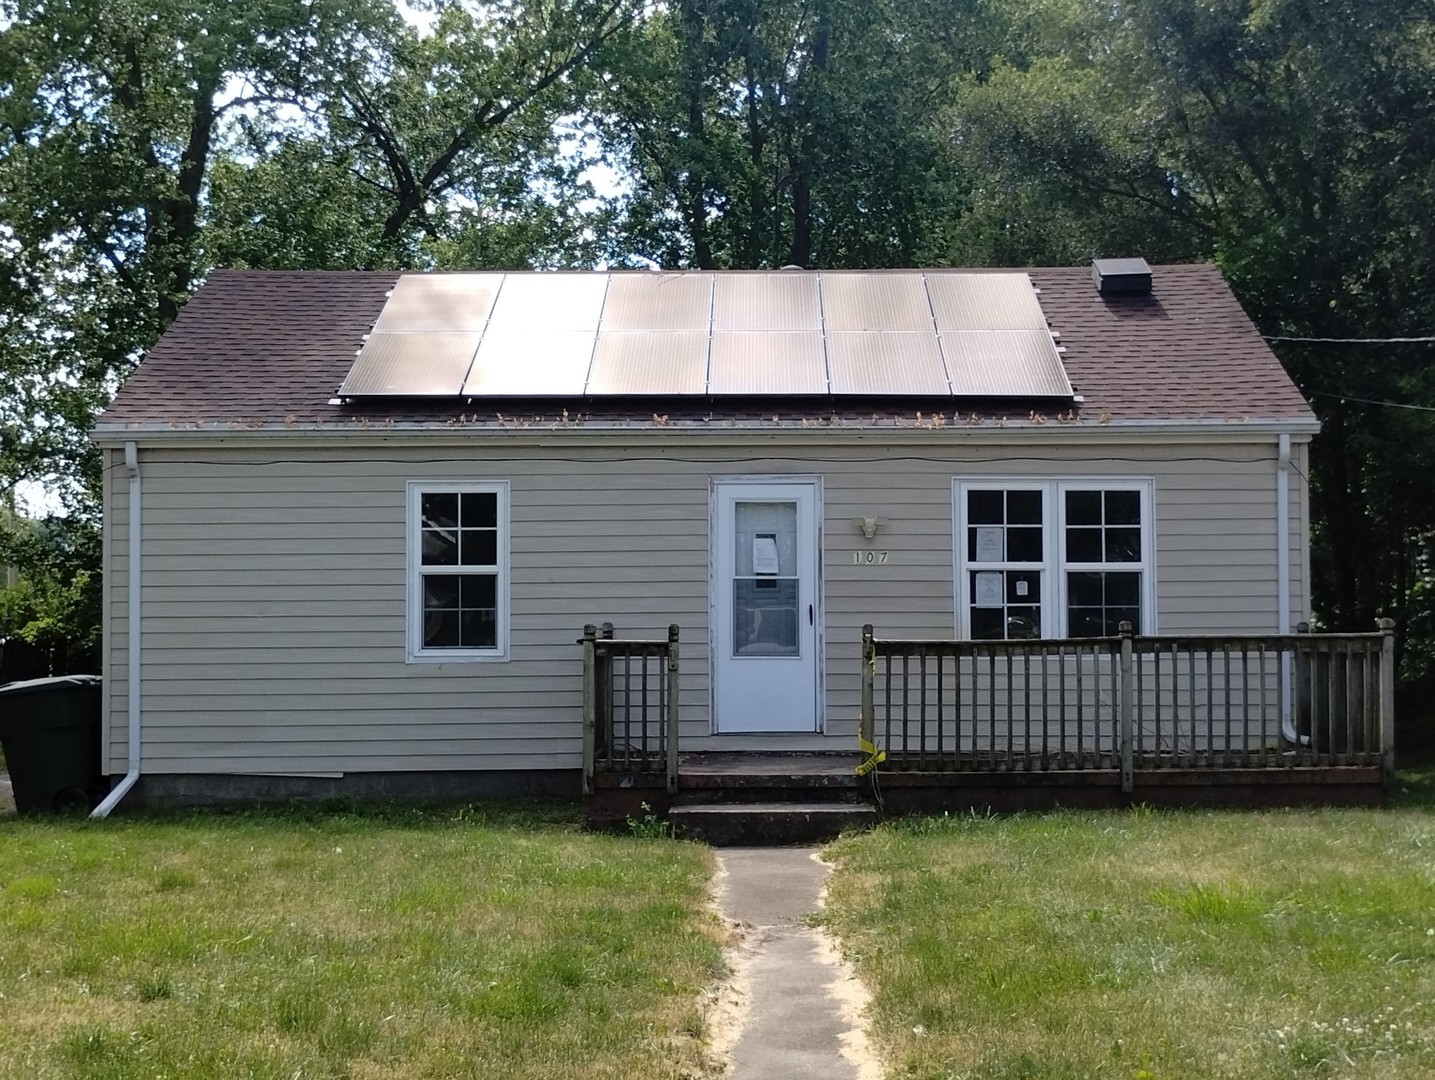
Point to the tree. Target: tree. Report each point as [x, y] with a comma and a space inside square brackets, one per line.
[143, 142]
[1293, 142]
[759, 134]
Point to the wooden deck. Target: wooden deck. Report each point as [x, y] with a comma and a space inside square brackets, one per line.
[1232, 721]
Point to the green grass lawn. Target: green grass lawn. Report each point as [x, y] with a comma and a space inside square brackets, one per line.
[1148, 946]
[363, 944]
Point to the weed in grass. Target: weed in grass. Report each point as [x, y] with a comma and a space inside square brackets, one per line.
[154, 988]
[33, 887]
[170, 878]
[650, 826]
[91, 1048]
[1213, 903]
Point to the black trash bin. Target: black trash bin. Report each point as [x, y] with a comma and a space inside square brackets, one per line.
[50, 731]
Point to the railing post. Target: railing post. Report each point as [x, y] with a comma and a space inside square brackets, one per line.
[1298, 707]
[672, 709]
[590, 705]
[1387, 703]
[867, 721]
[1128, 721]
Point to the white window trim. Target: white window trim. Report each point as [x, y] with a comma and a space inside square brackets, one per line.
[1054, 566]
[413, 542]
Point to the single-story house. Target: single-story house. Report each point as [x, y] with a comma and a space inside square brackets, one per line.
[356, 522]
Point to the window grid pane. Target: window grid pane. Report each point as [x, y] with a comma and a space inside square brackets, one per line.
[1005, 603]
[1005, 526]
[460, 611]
[1101, 557]
[1098, 601]
[1103, 528]
[458, 571]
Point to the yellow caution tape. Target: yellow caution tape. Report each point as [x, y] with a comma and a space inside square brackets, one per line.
[875, 757]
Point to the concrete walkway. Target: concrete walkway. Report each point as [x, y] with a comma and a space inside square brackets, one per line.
[7, 794]
[797, 1014]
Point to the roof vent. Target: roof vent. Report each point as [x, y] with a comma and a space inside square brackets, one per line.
[1121, 277]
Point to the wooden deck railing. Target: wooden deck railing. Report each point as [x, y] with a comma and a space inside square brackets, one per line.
[1128, 702]
[630, 705]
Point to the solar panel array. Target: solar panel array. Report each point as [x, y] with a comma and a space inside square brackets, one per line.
[695, 333]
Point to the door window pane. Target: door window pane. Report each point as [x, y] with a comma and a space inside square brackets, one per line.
[765, 539]
[765, 617]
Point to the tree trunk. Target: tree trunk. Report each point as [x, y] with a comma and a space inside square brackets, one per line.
[694, 196]
[800, 253]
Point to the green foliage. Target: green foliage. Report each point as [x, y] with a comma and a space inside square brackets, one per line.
[764, 134]
[1292, 142]
[142, 143]
[54, 599]
[650, 826]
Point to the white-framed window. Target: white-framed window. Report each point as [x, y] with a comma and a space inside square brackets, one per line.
[457, 570]
[1053, 558]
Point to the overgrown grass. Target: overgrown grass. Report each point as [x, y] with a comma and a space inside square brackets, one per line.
[378, 943]
[1147, 946]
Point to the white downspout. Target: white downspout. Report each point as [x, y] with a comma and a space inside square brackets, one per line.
[132, 649]
[1283, 582]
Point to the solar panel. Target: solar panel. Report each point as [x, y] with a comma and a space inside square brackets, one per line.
[885, 301]
[984, 302]
[411, 365]
[881, 363]
[767, 363]
[784, 300]
[439, 303]
[535, 363]
[658, 302]
[548, 302]
[665, 362]
[1004, 363]
[720, 334]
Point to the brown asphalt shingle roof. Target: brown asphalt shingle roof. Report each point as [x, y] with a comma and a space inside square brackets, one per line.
[255, 348]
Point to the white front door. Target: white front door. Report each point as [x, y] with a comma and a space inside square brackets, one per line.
[765, 598]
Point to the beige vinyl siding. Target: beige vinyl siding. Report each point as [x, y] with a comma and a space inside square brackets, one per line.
[275, 584]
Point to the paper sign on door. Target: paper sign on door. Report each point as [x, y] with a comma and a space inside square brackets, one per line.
[764, 554]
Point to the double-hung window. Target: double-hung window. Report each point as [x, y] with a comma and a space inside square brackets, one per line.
[1103, 560]
[1053, 558]
[458, 571]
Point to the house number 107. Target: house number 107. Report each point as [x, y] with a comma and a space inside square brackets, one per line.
[869, 558]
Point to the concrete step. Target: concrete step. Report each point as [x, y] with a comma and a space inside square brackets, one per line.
[693, 795]
[768, 824]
